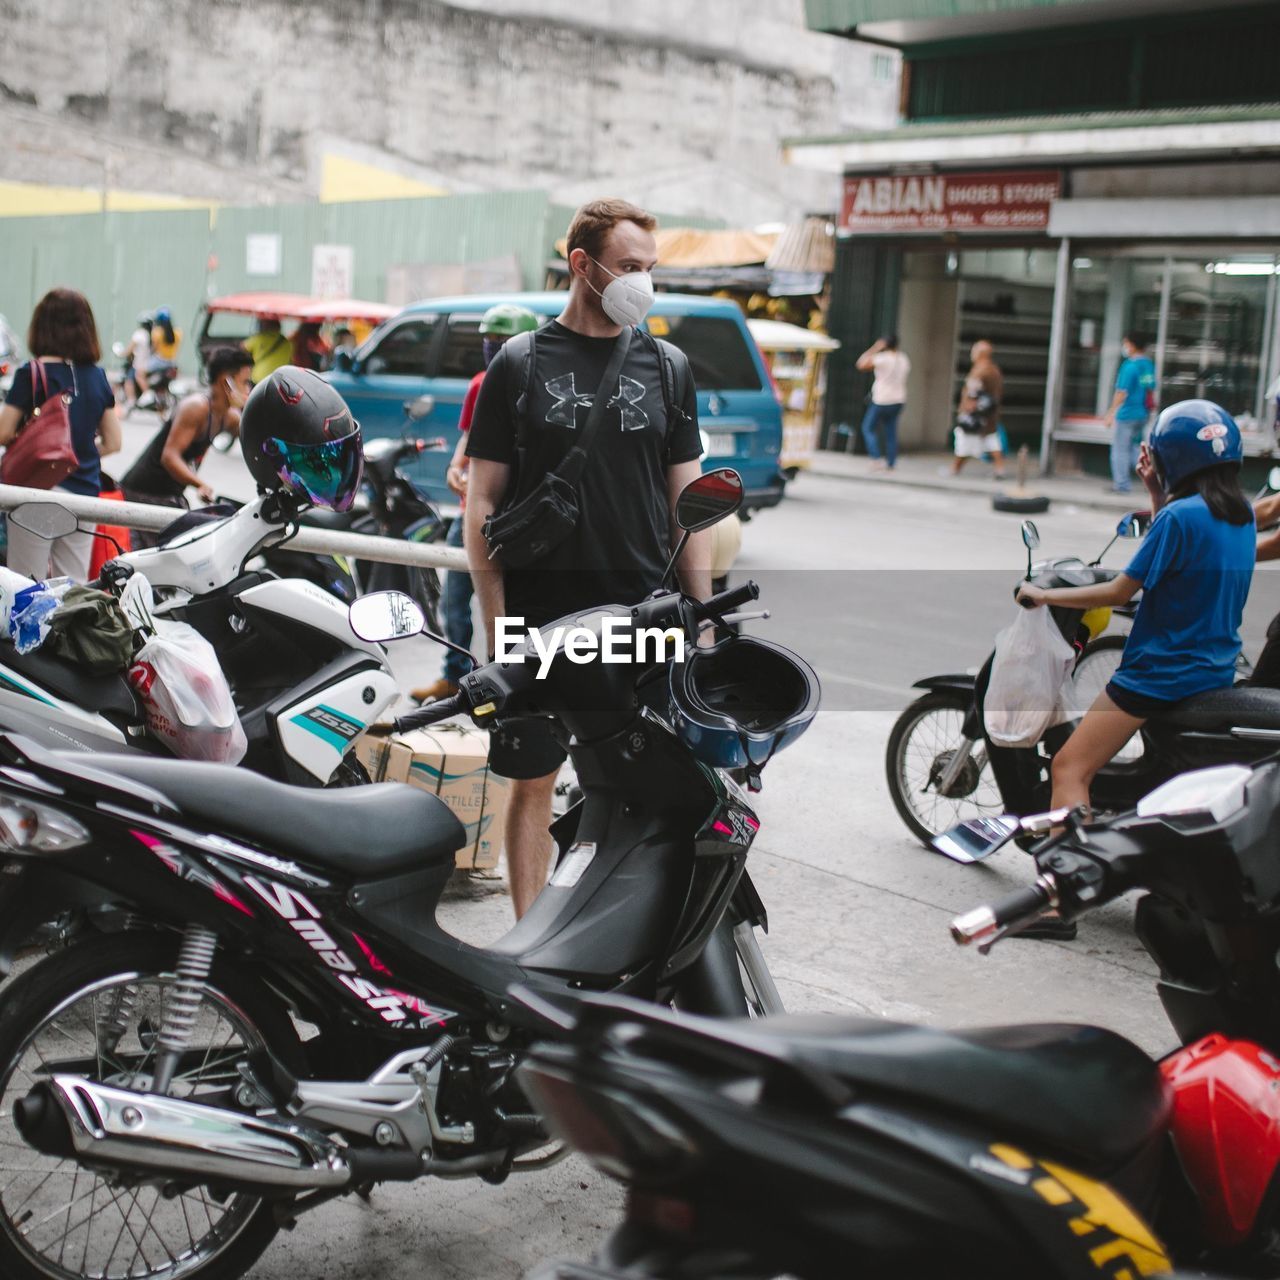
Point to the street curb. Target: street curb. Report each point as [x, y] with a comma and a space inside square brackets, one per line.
[981, 489]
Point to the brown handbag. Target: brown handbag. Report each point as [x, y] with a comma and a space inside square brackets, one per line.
[41, 454]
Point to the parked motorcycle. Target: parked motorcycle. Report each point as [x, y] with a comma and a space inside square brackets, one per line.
[824, 1147]
[304, 684]
[942, 768]
[159, 1077]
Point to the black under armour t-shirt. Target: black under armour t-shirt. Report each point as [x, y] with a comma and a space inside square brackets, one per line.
[622, 542]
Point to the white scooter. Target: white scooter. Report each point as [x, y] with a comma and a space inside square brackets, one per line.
[305, 685]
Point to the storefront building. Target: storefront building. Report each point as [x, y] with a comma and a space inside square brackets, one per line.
[1060, 181]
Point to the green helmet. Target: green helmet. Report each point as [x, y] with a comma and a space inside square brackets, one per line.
[506, 320]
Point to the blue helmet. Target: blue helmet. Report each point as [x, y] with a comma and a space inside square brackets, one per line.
[1190, 436]
[734, 705]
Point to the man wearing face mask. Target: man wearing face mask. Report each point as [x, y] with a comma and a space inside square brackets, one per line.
[644, 452]
[171, 461]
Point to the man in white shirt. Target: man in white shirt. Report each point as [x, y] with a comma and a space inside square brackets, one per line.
[888, 394]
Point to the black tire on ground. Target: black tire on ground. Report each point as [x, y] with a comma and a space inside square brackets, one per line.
[1022, 506]
[50, 989]
[949, 708]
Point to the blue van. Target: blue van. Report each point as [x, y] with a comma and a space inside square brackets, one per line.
[434, 348]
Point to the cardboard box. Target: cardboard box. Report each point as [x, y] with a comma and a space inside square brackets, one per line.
[451, 761]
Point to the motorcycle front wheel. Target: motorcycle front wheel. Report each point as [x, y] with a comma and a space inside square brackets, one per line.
[95, 1011]
[923, 743]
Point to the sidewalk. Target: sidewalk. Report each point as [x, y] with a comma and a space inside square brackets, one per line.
[932, 471]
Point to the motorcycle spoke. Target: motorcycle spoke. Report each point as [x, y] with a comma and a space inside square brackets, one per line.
[73, 1221]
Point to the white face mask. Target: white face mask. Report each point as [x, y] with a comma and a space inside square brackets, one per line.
[626, 299]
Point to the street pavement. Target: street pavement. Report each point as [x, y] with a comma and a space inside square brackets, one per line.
[877, 585]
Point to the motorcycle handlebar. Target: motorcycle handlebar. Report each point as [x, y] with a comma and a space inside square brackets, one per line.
[726, 601]
[432, 713]
[1019, 907]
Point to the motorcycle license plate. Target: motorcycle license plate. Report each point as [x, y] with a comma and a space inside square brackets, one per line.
[721, 442]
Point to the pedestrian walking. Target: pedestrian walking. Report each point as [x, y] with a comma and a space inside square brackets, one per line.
[1130, 410]
[310, 350]
[977, 428]
[891, 367]
[170, 464]
[63, 341]
[496, 326]
[539, 393]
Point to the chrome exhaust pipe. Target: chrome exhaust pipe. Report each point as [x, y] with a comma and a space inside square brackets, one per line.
[96, 1124]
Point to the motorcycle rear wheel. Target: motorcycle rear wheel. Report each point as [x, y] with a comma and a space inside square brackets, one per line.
[922, 743]
[59, 1221]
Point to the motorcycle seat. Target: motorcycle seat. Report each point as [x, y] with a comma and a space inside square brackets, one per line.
[368, 832]
[103, 694]
[1220, 710]
[1081, 1091]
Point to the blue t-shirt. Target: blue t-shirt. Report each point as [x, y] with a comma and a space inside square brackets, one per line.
[1195, 572]
[93, 397]
[1137, 376]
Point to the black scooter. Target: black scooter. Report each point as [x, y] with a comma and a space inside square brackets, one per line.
[161, 1067]
[942, 767]
[828, 1147]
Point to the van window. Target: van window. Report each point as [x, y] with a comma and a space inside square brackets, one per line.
[718, 353]
[404, 351]
[463, 348]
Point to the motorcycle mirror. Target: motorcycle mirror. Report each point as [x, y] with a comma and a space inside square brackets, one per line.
[45, 519]
[978, 838]
[1134, 524]
[1273, 479]
[420, 407]
[1030, 535]
[385, 615]
[709, 499]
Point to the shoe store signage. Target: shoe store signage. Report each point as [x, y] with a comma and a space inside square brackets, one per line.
[932, 202]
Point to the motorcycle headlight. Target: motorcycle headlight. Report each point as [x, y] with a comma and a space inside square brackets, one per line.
[36, 828]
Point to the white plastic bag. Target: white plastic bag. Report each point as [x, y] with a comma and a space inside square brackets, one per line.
[187, 699]
[1030, 666]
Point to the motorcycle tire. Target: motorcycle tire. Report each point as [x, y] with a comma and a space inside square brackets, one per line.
[938, 716]
[62, 997]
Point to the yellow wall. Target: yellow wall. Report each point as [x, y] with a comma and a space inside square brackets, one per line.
[27, 199]
[343, 179]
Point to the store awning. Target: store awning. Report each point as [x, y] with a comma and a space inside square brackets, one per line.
[1046, 140]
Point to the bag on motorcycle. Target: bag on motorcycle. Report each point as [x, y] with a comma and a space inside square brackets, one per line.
[187, 699]
[539, 522]
[1027, 674]
[89, 629]
[41, 454]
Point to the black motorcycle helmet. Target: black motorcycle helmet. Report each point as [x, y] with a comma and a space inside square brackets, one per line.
[298, 437]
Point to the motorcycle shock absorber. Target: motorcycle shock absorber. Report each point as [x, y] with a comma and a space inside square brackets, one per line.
[195, 959]
[115, 1016]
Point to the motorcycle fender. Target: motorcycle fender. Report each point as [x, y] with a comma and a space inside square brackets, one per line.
[748, 905]
[964, 683]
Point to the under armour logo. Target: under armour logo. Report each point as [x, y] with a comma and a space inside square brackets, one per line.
[567, 398]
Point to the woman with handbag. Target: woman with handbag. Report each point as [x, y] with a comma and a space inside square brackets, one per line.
[57, 423]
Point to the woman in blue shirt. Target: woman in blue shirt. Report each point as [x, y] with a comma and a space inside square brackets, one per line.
[1194, 568]
[64, 338]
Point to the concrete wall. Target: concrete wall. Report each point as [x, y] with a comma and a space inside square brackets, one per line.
[676, 105]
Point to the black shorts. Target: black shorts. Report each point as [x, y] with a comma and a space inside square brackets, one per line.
[1138, 704]
[527, 747]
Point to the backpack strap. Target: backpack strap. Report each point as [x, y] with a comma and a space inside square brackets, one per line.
[674, 375]
[522, 348]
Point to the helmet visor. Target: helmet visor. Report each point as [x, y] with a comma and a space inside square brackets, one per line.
[326, 474]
